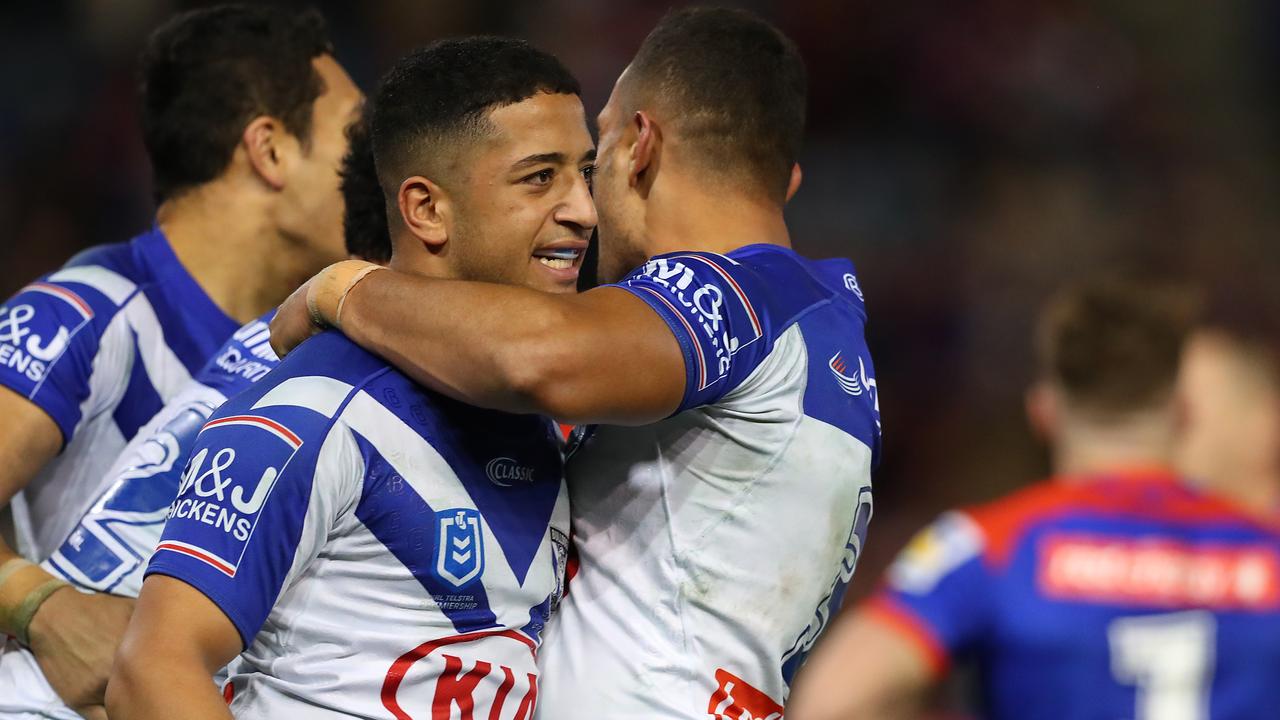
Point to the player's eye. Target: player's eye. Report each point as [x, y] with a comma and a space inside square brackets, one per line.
[589, 173]
[542, 177]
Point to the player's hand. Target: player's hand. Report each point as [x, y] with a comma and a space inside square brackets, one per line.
[74, 637]
[293, 322]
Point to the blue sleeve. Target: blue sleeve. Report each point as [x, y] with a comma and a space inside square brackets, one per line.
[706, 301]
[50, 333]
[942, 581]
[237, 526]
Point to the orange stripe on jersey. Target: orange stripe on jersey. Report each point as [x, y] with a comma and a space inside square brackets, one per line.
[900, 619]
[1153, 494]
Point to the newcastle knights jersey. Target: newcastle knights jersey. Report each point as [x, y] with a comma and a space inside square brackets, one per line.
[1116, 596]
[383, 551]
[715, 545]
[108, 549]
[100, 346]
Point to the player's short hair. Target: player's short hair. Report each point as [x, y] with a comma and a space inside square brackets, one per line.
[438, 97]
[735, 87]
[364, 220]
[1114, 345]
[205, 74]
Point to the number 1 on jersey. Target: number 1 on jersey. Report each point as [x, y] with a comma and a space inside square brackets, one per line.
[1170, 660]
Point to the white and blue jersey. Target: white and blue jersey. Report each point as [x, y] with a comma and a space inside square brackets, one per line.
[108, 549]
[715, 545]
[382, 550]
[100, 346]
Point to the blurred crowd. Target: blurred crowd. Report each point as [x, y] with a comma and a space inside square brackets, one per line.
[969, 157]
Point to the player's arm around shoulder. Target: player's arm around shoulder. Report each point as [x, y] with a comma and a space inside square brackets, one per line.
[601, 356]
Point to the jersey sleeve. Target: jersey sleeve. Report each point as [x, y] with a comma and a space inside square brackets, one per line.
[937, 590]
[257, 500]
[706, 301]
[51, 331]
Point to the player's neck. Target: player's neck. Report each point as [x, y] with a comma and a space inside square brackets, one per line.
[231, 249]
[1084, 449]
[1255, 490]
[682, 214]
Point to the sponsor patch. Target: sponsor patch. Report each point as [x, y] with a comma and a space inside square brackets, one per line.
[1158, 572]
[717, 315]
[735, 699]
[226, 483]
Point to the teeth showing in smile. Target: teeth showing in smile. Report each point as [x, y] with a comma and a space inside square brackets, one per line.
[558, 258]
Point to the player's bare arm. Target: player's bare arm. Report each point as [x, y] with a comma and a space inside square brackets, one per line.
[837, 684]
[72, 635]
[177, 641]
[601, 357]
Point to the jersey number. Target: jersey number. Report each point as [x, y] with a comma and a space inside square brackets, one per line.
[1169, 658]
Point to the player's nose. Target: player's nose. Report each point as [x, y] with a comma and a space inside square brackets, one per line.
[578, 207]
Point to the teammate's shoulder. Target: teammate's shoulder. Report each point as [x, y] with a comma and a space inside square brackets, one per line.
[245, 358]
[311, 384]
[793, 284]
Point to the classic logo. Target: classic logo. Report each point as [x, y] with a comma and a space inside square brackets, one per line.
[459, 546]
[735, 699]
[24, 350]
[503, 471]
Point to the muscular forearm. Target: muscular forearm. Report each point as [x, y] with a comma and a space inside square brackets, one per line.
[489, 345]
[163, 688]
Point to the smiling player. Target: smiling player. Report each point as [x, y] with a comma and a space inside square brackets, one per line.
[364, 546]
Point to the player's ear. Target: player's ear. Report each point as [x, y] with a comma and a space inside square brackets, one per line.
[645, 151]
[263, 141]
[425, 210]
[1043, 410]
[793, 185]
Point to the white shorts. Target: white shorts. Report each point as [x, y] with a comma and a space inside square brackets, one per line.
[24, 693]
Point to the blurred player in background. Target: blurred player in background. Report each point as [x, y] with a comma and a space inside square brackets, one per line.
[110, 546]
[243, 115]
[365, 546]
[718, 520]
[1115, 590]
[1231, 385]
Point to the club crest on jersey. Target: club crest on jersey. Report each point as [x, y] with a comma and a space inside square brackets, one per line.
[459, 546]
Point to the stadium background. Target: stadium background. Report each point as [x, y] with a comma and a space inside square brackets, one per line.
[969, 157]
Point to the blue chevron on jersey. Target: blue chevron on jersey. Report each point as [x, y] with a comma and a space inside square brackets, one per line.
[334, 494]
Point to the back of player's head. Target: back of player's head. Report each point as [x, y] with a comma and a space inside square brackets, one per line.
[364, 221]
[734, 91]
[205, 74]
[1113, 346]
[436, 100]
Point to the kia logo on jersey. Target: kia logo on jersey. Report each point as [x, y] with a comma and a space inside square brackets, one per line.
[459, 546]
[503, 471]
[734, 699]
[486, 674]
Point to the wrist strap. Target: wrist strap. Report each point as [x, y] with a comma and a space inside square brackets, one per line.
[30, 604]
[11, 566]
[328, 291]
